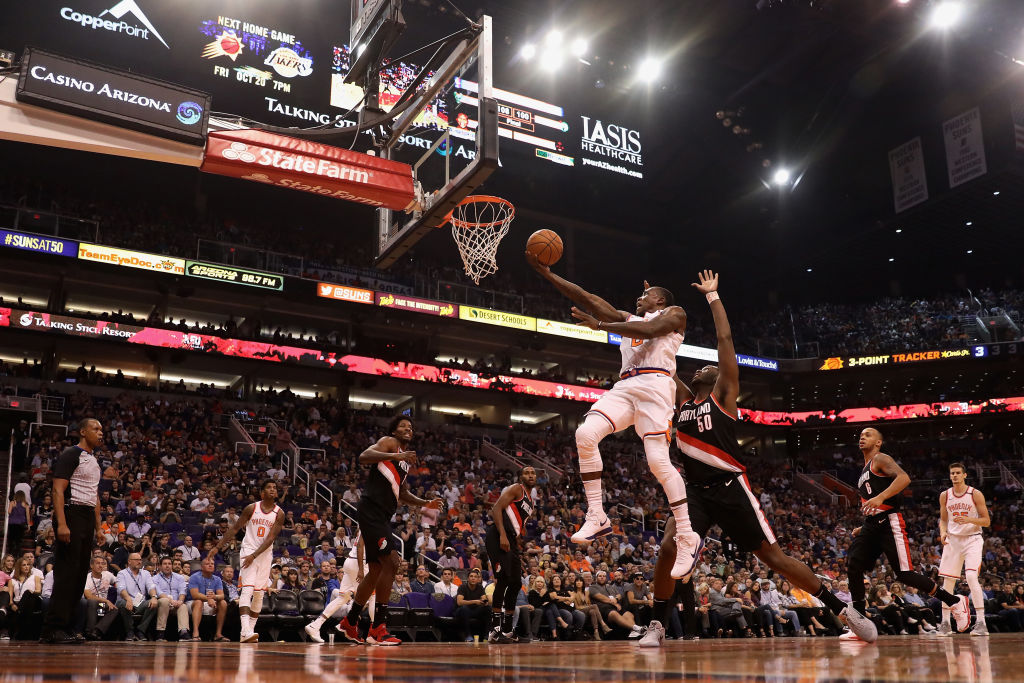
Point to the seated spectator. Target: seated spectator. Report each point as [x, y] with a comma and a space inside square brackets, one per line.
[44, 544]
[324, 554]
[189, 552]
[609, 601]
[425, 541]
[138, 598]
[206, 593]
[171, 592]
[326, 581]
[100, 612]
[23, 590]
[446, 586]
[450, 560]
[421, 583]
[729, 609]
[592, 614]
[473, 612]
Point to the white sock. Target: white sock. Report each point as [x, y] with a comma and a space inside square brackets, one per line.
[681, 513]
[317, 623]
[980, 614]
[592, 488]
[252, 623]
[945, 613]
[244, 618]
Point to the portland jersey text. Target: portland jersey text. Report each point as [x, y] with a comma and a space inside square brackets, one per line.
[706, 435]
[384, 484]
[658, 353]
[517, 512]
[871, 483]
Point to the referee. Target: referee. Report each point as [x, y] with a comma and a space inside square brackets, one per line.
[76, 510]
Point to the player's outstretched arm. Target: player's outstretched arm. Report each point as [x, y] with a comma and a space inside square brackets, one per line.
[683, 392]
[601, 309]
[727, 388]
[242, 520]
[673, 319]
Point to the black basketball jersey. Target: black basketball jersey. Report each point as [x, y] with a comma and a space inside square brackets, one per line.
[871, 483]
[706, 435]
[384, 485]
[517, 512]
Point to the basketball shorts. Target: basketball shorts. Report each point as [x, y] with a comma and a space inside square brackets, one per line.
[884, 533]
[961, 552]
[503, 562]
[731, 505]
[350, 575]
[256, 574]
[379, 540]
[643, 402]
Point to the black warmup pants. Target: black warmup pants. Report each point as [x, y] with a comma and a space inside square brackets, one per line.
[70, 565]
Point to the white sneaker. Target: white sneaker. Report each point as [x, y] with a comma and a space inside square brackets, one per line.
[688, 547]
[961, 614]
[860, 625]
[595, 526]
[655, 635]
[850, 635]
[249, 638]
[637, 632]
[944, 629]
[313, 633]
[980, 629]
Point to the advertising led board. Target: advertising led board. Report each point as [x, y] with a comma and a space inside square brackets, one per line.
[43, 244]
[240, 276]
[131, 259]
[501, 318]
[409, 303]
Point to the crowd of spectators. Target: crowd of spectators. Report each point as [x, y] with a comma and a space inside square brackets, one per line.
[172, 484]
[826, 329]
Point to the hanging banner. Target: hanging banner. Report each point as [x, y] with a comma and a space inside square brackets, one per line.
[965, 147]
[310, 167]
[239, 276]
[909, 184]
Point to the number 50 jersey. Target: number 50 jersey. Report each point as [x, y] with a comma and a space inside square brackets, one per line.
[706, 435]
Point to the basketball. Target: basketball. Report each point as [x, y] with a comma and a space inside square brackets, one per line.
[546, 245]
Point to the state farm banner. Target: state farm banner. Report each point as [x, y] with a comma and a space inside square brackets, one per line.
[965, 148]
[310, 167]
[909, 183]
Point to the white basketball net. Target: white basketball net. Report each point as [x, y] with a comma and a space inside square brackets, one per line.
[478, 224]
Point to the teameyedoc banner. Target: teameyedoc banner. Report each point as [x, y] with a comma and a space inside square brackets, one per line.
[44, 244]
[102, 93]
[237, 348]
[310, 167]
[131, 259]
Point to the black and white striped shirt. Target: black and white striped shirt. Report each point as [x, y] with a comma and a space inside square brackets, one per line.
[82, 471]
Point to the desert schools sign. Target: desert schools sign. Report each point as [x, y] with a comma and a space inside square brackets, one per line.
[310, 167]
[101, 93]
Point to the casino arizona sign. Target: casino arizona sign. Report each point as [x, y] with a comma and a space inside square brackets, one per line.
[310, 167]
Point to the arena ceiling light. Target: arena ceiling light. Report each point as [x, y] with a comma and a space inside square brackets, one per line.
[946, 14]
[781, 177]
[650, 69]
[528, 51]
[579, 48]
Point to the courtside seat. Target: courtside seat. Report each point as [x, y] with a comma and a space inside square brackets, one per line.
[288, 612]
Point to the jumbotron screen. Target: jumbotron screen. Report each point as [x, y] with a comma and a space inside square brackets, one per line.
[284, 63]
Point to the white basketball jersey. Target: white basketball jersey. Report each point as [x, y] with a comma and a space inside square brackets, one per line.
[257, 528]
[961, 505]
[656, 354]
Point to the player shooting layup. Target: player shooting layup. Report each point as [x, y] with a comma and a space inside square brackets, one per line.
[263, 521]
[963, 514]
[642, 398]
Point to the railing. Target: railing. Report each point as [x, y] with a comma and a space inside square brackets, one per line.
[50, 404]
[497, 455]
[529, 457]
[322, 490]
[460, 293]
[631, 515]
[252, 448]
[301, 476]
[252, 257]
[286, 463]
[49, 223]
[321, 454]
[427, 562]
[807, 484]
[1008, 478]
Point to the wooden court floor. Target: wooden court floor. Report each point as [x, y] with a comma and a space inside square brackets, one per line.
[961, 659]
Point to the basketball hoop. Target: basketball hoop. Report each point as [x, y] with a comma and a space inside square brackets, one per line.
[478, 224]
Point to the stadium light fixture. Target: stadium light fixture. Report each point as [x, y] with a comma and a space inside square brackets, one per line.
[891, 260]
[946, 14]
[899, 230]
[528, 51]
[553, 38]
[550, 59]
[650, 69]
[781, 177]
[579, 48]
[969, 223]
[970, 251]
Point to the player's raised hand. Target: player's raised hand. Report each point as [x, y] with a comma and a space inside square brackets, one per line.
[435, 504]
[708, 282]
[535, 264]
[407, 456]
[585, 318]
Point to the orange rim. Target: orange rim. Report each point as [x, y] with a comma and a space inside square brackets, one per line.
[473, 198]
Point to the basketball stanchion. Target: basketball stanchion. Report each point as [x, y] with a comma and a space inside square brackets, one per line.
[479, 222]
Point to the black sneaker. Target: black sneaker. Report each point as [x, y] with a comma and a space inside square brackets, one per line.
[79, 638]
[62, 638]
